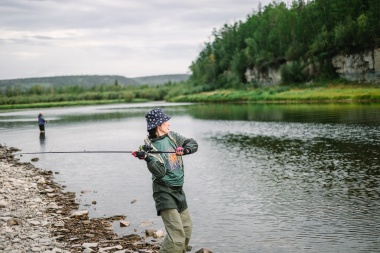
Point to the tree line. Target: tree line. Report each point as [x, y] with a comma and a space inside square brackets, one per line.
[91, 88]
[307, 32]
[69, 93]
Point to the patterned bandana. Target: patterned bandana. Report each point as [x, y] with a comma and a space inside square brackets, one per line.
[155, 118]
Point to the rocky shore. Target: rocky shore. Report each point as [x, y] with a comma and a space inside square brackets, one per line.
[37, 215]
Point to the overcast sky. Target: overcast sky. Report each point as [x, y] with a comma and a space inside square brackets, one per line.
[109, 37]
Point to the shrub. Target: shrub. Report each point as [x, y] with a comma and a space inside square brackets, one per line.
[293, 73]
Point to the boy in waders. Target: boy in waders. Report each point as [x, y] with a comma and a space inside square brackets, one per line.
[168, 177]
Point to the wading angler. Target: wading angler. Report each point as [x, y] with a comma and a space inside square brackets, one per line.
[167, 171]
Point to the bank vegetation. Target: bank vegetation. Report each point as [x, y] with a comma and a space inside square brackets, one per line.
[70, 95]
[38, 97]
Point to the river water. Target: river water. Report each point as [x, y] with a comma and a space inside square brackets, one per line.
[266, 178]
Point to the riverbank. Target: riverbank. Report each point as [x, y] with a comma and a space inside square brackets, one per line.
[38, 216]
[68, 103]
[274, 94]
[280, 94]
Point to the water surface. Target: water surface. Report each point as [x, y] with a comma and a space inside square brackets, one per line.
[266, 178]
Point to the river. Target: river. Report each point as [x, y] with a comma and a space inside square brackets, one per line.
[266, 177]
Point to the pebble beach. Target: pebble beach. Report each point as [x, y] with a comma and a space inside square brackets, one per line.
[37, 215]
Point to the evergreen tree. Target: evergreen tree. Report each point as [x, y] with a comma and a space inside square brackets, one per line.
[311, 31]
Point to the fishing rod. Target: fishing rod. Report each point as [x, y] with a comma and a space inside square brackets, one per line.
[144, 148]
[92, 152]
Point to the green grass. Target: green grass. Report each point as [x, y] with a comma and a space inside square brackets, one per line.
[67, 103]
[320, 94]
[38, 96]
[325, 93]
[336, 94]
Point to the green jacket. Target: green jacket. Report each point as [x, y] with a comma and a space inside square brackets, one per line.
[168, 170]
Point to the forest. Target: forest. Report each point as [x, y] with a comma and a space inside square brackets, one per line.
[307, 32]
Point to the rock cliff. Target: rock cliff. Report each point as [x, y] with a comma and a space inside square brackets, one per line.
[362, 67]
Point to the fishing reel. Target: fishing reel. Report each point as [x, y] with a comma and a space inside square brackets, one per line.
[146, 148]
[142, 152]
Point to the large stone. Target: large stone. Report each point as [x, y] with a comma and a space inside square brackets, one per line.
[204, 250]
[14, 221]
[124, 223]
[41, 181]
[158, 234]
[89, 245]
[59, 224]
[53, 205]
[150, 232]
[34, 222]
[80, 214]
[3, 203]
[117, 247]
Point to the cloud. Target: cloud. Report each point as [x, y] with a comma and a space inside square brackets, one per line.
[124, 37]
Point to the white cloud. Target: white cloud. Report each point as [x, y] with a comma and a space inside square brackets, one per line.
[124, 37]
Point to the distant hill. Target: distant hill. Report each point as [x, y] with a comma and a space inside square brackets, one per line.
[91, 80]
[154, 80]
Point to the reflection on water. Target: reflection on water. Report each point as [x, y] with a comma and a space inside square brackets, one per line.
[42, 138]
[74, 115]
[266, 178]
[322, 183]
[368, 114]
[330, 166]
[311, 113]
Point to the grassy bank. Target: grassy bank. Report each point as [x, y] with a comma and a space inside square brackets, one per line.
[68, 103]
[332, 93]
[73, 95]
[286, 94]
